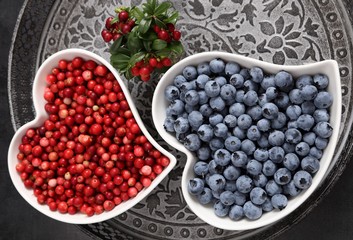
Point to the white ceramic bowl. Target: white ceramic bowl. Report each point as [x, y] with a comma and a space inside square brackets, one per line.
[39, 85]
[206, 213]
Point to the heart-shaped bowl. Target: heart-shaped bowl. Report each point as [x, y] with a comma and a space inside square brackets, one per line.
[39, 85]
[206, 213]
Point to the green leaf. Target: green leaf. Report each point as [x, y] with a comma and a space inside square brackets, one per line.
[153, 4]
[150, 35]
[137, 14]
[163, 53]
[172, 18]
[160, 23]
[162, 8]
[133, 42]
[176, 47]
[136, 58]
[119, 59]
[147, 45]
[159, 44]
[144, 25]
[114, 20]
[128, 74]
[116, 45]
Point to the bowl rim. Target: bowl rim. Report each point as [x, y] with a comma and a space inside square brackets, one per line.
[40, 116]
[335, 121]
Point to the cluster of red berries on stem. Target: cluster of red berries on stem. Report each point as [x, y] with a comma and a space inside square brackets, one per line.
[90, 154]
[115, 28]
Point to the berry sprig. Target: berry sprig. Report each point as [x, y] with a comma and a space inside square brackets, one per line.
[145, 39]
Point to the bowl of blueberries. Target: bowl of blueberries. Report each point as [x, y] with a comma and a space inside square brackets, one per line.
[258, 137]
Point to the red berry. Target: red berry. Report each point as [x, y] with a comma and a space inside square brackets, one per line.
[144, 71]
[145, 78]
[108, 205]
[166, 62]
[123, 16]
[108, 23]
[153, 62]
[163, 35]
[171, 27]
[135, 71]
[156, 29]
[116, 36]
[126, 29]
[176, 35]
[107, 37]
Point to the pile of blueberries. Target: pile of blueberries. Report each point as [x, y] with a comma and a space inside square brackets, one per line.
[258, 137]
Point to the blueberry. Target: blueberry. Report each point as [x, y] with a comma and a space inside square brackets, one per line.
[293, 112]
[261, 154]
[205, 196]
[248, 146]
[293, 136]
[303, 81]
[203, 98]
[321, 81]
[236, 212]
[192, 142]
[279, 122]
[232, 68]
[308, 107]
[310, 164]
[305, 122]
[252, 211]
[231, 172]
[221, 81]
[321, 143]
[291, 189]
[250, 98]
[268, 82]
[181, 125]
[273, 188]
[276, 138]
[232, 143]
[216, 194]
[190, 73]
[217, 104]
[321, 115]
[169, 124]
[315, 152]
[216, 143]
[309, 92]
[263, 141]
[192, 97]
[214, 168]
[292, 124]
[276, 154]
[181, 136]
[255, 112]
[222, 157]
[258, 196]
[283, 80]
[302, 149]
[205, 110]
[263, 125]
[195, 119]
[240, 198]
[203, 153]
[227, 198]
[217, 182]
[244, 184]
[262, 100]
[282, 100]
[215, 118]
[184, 87]
[254, 167]
[239, 96]
[239, 133]
[323, 129]
[291, 161]
[201, 81]
[227, 92]
[256, 74]
[295, 96]
[302, 179]
[230, 121]
[178, 80]
[253, 133]
[171, 93]
[220, 130]
[205, 132]
[288, 148]
[244, 121]
[260, 180]
[212, 89]
[239, 159]
[271, 93]
[270, 111]
[196, 186]
[237, 109]
[217, 65]
[188, 109]
[269, 168]
[245, 73]
[267, 205]
[279, 201]
[203, 68]
[220, 209]
[177, 107]
[237, 80]
[201, 168]
[250, 85]
[282, 176]
[230, 186]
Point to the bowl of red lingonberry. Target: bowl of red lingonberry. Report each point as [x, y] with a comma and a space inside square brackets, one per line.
[87, 156]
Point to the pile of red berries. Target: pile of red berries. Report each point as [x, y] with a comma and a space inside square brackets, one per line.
[90, 154]
[115, 28]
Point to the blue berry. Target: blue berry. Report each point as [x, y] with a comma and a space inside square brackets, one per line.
[258, 196]
[237, 81]
[305, 122]
[177, 107]
[236, 212]
[302, 149]
[201, 81]
[188, 109]
[181, 125]
[245, 72]
[302, 179]
[315, 152]
[216, 194]
[248, 146]
[230, 121]
[262, 100]
[271, 93]
[268, 82]
[205, 196]
[253, 133]
[201, 168]
[293, 136]
[237, 109]
[310, 164]
[205, 132]
[291, 161]
[293, 112]
[321, 115]
[254, 167]
[227, 92]
[261, 154]
[222, 157]
[214, 168]
[220, 209]
[282, 176]
[231, 173]
[276, 154]
[321, 143]
[282, 100]
[205, 110]
[270, 111]
[171, 93]
[250, 98]
[279, 201]
[263, 141]
[283, 80]
[303, 81]
[256, 74]
[232, 143]
[276, 138]
[230, 186]
[244, 121]
[252, 211]
[217, 104]
[309, 92]
[323, 129]
[295, 96]
[217, 65]
[260, 180]
[190, 73]
[269, 168]
[280, 121]
[273, 188]
[196, 186]
[263, 125]
[250, 85]
[240, 198]
[321, 81]
[267, 205]
[178, 80]
[186, 87]
[216, 182]
[239, 133]
[203, 68]
[192, 142]
[221, 130]
[181, 136]
[239, 159]
[308, 107]
[221, 81]
[216, 143]
[231, 68]
[203, 153]
[244, 184]
[291, 189]
[292, 124]
[195, 119]
[169, 124]
[192, 97]
[255, 112]
[212, 89]
[239, 96]
[288, 148]
[227, 198]
[203, 98]
[215, 118]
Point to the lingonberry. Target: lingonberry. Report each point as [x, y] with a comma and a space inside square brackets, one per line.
[123, 16]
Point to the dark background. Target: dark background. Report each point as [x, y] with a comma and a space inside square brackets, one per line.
[331, 219]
